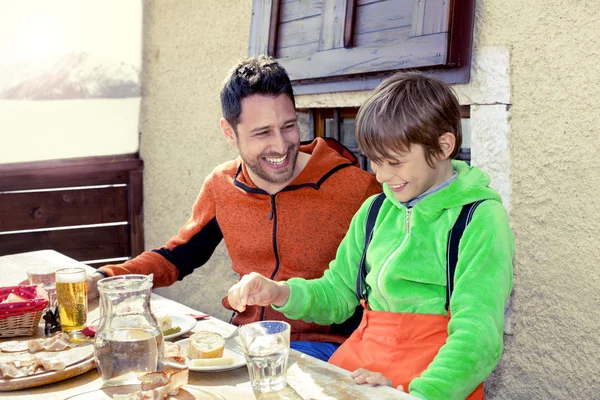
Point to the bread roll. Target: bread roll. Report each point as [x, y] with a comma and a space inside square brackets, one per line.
[205, 344]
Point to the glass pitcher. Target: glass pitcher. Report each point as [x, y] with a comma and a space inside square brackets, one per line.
[128, 340]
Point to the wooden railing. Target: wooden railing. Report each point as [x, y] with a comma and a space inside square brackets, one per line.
[89, 209]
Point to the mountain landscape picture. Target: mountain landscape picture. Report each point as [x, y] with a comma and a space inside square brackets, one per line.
[77, 75]
[69, 77]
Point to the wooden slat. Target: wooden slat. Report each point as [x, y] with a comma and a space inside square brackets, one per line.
[332, 25]
[273, 28]
[136, 216]
[299, 32]
[429, 16]
[301, 50]
[88, 171]
[361, 3]
[383, 15]
[299, 9]
[386, 37]
[39, 210]
[420, 51]
[259, 27]
[335, 132]
[80, 244]
[103, 263]
[349, 22]
[462, 16]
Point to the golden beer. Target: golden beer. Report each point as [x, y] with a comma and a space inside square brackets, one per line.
[71, 292]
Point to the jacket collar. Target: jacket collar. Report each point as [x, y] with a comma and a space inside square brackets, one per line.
[327, 156]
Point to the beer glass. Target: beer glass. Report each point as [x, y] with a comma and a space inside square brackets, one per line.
[71, 292]
[266, 346]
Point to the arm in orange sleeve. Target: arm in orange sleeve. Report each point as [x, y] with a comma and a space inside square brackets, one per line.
[191, 248]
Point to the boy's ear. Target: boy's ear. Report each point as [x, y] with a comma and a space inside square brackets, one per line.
[228, 132]
[447, 143]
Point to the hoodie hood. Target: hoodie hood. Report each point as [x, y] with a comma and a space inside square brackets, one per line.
[471, 184]
[327, 156]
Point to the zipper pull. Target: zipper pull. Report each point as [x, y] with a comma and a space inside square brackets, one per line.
[408, 219]
[272, 212]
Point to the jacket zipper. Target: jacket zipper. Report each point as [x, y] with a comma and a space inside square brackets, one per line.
[407, 225]
[272, 216]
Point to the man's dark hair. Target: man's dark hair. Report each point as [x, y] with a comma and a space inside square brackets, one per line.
[254, 75]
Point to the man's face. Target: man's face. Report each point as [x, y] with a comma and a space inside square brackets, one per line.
[407, 173]
[268, 138]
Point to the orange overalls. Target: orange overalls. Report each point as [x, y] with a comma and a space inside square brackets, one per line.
[400, 345]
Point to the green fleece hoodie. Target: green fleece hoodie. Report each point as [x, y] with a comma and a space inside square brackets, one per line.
[406, 265]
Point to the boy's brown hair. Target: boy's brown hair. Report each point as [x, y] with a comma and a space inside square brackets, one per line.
[408, 108]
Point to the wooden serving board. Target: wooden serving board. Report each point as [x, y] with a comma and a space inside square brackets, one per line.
[77, 361]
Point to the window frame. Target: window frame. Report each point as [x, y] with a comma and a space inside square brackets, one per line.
[263, 39]
[319, 115]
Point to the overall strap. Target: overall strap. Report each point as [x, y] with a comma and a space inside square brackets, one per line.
[452, 248]
[361, 284]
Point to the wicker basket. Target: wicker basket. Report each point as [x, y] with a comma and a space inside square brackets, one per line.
[20, 325]
[21, 318]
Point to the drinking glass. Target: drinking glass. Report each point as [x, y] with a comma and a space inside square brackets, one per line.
[71, 292]
[266, 346]
[45, 278]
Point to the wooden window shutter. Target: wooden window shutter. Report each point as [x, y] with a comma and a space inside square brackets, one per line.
[318, 40]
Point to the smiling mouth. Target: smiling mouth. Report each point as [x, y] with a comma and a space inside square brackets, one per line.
[397, 187]
[276, 161]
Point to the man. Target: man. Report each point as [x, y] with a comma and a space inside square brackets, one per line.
[282, 207]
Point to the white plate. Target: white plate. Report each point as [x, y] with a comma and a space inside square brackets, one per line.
[185, 393]
[232, 349]
[185, 322]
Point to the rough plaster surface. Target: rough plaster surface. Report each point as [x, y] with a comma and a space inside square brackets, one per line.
[490, 82]
[188, 49]
[490, 152]
[553, 349]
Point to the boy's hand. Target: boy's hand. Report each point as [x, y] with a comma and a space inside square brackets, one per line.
[362, 376]
[255, 289]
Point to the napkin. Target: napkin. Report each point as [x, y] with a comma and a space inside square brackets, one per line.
[198, 316]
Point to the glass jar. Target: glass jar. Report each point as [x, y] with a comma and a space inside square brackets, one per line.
[128, 340]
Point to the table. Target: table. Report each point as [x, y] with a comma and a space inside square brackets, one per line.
[308, 377]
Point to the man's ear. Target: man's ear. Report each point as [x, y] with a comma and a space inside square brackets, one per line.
[447, 143]
[228, 132]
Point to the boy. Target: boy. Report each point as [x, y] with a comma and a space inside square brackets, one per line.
[415, 334]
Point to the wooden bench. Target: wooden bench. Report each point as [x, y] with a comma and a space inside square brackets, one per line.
[89, 209]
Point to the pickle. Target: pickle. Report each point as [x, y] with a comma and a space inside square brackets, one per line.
[171, 330]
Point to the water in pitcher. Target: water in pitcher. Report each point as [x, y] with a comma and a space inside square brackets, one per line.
[124, 355]
[128, 342]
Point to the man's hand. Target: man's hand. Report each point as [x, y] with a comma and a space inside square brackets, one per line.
[362, 376]
[92, 285]
[255, 289]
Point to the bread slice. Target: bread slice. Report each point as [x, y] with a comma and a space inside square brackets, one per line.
[205, 344]
[165, 321]
[13, 298]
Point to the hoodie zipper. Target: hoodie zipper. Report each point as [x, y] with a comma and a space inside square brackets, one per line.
[386, 263]
[272, 216]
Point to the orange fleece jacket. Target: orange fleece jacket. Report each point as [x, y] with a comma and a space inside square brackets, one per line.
[293, 233]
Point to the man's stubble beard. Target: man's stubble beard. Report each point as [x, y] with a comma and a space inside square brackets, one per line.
[258, 168]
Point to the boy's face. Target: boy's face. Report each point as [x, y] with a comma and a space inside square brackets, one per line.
[268, 138]
[408, 174]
